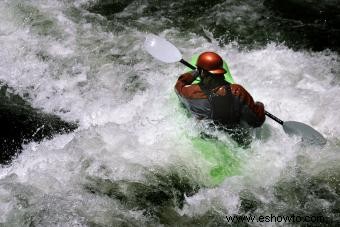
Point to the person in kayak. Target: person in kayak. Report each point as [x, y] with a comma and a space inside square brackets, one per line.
[214, 98]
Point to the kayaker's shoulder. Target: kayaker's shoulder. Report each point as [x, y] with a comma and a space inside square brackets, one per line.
[238, 89]
[237, 86]
[187, 73]
[186, 76]
[235, 89]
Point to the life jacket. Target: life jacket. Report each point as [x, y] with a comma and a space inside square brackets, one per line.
[226, 109]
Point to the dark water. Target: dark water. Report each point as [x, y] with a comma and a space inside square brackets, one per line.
[20, 124]
[300, 24]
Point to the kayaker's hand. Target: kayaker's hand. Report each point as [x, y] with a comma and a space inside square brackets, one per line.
[260, 111]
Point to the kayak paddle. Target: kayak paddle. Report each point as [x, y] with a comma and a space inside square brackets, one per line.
[307, 133]
[165, 51]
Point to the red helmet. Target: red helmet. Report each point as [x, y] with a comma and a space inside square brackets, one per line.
[211, 62]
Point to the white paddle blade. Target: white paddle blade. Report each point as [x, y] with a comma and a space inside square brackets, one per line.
[162, 49]
[307, 133]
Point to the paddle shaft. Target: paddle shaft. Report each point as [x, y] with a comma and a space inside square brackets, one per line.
[274, 118]
[187, 64]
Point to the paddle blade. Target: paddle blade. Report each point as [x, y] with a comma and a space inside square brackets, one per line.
[162, 49]
[307, 133]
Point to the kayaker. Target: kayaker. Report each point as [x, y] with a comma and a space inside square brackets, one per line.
[215, 98]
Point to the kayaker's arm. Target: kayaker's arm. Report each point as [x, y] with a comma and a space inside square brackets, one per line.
[185, 89]
[252, 112]
[186, 78]
[255, 117]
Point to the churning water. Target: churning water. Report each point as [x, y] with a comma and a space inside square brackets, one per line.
[131, 162]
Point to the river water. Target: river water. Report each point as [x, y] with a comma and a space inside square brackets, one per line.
[131, 162]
